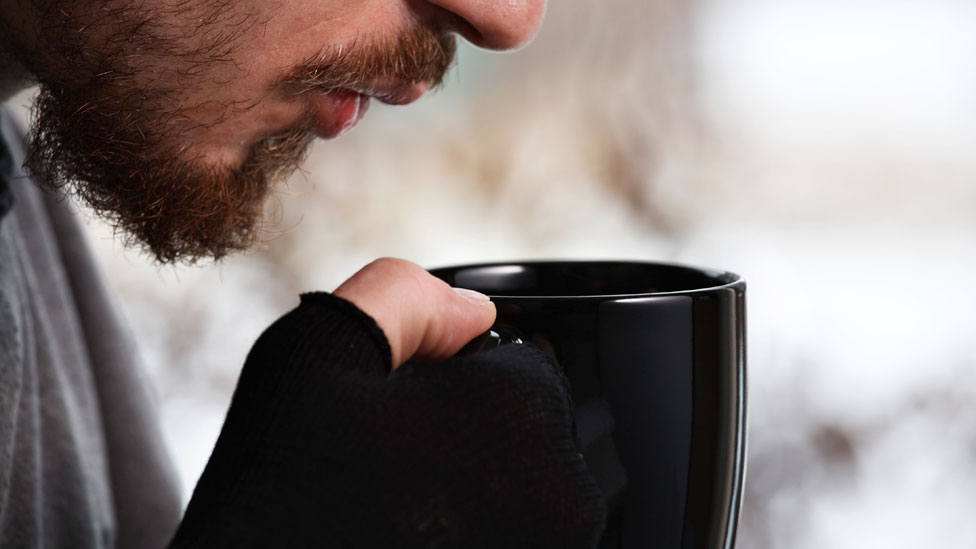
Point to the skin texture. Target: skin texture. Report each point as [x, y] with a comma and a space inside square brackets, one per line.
[173, 119]
[253, 43]
[423, 318]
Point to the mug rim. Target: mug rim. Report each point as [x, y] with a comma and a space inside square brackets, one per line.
[723, 279]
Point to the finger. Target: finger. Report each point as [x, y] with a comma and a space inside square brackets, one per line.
[421, 315]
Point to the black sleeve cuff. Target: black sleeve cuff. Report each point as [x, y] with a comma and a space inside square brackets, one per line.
[296, 368]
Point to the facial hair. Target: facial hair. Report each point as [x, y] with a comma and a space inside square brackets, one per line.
[112, 133]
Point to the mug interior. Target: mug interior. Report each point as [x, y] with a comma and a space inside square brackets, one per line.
[582, 278]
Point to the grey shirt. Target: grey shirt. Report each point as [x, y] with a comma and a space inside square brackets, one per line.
[82, 461]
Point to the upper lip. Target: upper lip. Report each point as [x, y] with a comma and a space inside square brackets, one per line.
[394, 93]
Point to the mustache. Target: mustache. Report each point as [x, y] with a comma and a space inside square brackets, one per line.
[420, 54]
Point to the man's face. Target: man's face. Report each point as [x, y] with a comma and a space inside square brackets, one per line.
[173, 118]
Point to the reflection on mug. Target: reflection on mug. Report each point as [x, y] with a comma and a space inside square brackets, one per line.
[654, 355]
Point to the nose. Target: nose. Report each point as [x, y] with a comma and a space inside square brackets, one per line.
[493, 24]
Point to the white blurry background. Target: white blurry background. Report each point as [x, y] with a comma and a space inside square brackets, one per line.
[823, 149]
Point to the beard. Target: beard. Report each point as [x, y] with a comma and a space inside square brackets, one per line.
[110, 127]
[150, 189]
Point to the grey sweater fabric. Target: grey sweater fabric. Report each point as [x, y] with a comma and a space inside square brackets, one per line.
[82, 461]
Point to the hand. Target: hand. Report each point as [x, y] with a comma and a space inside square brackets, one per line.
[421, 315]
[322, 446]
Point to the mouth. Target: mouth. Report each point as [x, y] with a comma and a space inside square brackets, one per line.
[335, 112]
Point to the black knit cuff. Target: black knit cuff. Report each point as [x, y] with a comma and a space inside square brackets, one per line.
[320, 301]
[274, 419]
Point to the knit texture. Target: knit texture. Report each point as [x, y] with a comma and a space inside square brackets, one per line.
[322, 447]
[82, 459]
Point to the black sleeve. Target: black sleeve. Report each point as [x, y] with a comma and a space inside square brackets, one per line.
[323, 448]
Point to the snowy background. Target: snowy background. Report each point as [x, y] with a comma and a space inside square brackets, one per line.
[823, 149]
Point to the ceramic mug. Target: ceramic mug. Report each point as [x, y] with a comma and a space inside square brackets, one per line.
[655, 357]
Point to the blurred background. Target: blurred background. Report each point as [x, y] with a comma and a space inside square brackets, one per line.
[823, 149]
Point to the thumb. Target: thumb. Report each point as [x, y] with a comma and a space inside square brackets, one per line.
[421, 315]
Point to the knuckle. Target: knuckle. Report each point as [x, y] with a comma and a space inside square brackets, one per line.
[394, 270]
[385, 264]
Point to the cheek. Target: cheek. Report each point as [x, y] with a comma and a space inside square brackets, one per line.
[230, 105]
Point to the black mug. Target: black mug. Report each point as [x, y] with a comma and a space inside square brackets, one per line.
[655, 358]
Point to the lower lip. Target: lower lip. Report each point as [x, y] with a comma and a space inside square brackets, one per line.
[335, 113]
